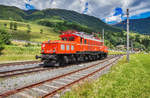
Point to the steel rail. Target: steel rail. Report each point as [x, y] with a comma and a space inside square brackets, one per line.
[4, 72]
[22, 73]
[19, 63]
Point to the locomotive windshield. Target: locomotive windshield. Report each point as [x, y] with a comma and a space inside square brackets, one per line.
[64, 38]
[71, 38]
[68, 38]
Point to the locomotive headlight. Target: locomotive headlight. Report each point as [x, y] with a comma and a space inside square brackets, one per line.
[54, 50]
[42, 51]
[48, 41]
[43, 45]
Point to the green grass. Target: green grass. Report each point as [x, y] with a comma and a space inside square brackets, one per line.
[34, 35]
[16, 53]
[125, 80]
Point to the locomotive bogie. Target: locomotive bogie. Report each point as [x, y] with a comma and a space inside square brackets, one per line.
[63, 59]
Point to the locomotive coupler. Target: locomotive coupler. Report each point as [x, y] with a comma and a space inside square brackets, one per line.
[37, 57]
[46, 57]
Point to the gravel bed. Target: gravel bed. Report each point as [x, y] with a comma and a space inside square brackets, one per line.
[18, 82]
[23, 71]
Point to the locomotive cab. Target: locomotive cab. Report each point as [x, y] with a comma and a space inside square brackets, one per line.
[71, 38]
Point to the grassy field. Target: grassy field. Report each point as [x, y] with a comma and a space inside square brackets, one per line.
[17, 53]
[34, 35]
[125, 80]
[20, 52]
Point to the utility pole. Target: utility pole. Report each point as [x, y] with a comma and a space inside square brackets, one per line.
[132, 46]
[128, 52]
[103, 36]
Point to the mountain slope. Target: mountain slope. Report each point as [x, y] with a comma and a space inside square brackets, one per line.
[34, 35]
[14, 13]
[137, 25]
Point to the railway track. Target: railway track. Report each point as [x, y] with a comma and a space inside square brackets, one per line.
[21, 63]
[16, 72]
[18, 63]
[50, 87]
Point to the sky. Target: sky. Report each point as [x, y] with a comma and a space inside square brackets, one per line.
[109, 11]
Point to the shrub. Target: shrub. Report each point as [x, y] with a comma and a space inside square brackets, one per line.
[11, 25]
[28, 28]
[4, 39]
[41, 31]
[15, 26]
[1, 44]
[5, 36]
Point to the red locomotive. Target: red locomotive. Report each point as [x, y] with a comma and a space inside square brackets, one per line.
[73, 47]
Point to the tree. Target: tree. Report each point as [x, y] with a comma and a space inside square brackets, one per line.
[28, 28]
[11, 25]
[15, 26]
[5, 24]
[41, 31]
[137, 38]
[4, 38]
[1, 44]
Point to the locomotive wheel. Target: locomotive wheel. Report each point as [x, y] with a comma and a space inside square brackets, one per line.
[72, 59]
[100, 56]
[57, 64]
[66, 60]
[90, 58]
[97, 57]
[105, 55]
[52, 63]
[78, 59]
[85, 58]
[49, 63]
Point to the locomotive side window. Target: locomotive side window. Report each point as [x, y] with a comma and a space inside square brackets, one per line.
[81, 40]
[72, 47]
[64, 38]
[85, 41]
[71, 38]
[62, 47]
[67, 47]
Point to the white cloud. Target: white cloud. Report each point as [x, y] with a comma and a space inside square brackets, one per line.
[113, 18]
[141, 8]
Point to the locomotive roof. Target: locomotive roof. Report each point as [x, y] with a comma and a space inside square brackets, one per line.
[80, 34]
[90, 37]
